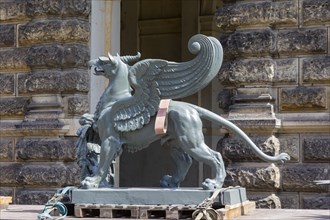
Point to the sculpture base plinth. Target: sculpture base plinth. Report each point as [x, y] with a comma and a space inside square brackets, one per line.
[156, 196]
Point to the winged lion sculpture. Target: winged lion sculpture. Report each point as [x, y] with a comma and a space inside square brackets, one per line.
[126, 113]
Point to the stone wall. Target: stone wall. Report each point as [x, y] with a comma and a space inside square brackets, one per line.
[44, 84]
[276, 85]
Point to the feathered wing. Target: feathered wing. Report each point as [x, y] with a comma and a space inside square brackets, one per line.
[154, 79]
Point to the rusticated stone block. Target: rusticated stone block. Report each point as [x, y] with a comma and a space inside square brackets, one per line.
[253, 178]
[301, 177]
[316, 70]
[39, 82]
[13, 106]
[315, 12]
[74, 8]
[6, 191]
[286, 71]
[248, 14]
[289, 200]
[35, 149]
[7, 35]
[302, 41]
[75, 81]
[270, 202]
[7, 84]
[45, 81]
[33, 197]
[50, 175]
[75, 56]
[303, 97]
[12, 10]
[247, 71]
[316, 201]
[43, 7]
[316, 149]
[78, 105]
[56, 56]
[49, 56]
[9, 172]
[234, 149]
[57, 8]
[290, 144]
[50, 31]
[6, 149]
[14, 58]
[249, 43]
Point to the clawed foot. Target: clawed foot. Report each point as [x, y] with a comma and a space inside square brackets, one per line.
[90, 182]
[167, 182]
[211, 184]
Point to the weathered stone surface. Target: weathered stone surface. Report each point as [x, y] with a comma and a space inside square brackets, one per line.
[301, 177]
[303, 98]
[290, 145]
[7, 84]
[253, 178]
[12, 10]
[7, 35]
[302, 41]
[315, 12]
[51, 174]
[75, 81]
[35, 149]
[46, 81]
[75, 55]
[286, 71]
[57, 8]
[33, 197]
[316, 70]
[77, 8]
[9, 171]
[289, 200]
[78, 105]
[224, 99]
[6, 191]
[257, 14]
[56, 56]
[233, 149]
[14, 58]
[316, 201]
[53, 81]
[270, 202]
[50, 31]
[254, 43]
[247, 71]
[316, 149]
[6, 149]
[13, 106]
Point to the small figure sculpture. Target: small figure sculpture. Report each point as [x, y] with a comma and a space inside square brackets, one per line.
[126, 114]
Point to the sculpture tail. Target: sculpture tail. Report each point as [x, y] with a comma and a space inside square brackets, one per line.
[208, 115]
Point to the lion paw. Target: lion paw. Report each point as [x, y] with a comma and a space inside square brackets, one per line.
[90, 182]
[167, 182]
[210, 184]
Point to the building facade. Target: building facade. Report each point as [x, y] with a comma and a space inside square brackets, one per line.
[274, 84]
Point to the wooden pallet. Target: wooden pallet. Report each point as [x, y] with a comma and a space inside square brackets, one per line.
[4, 201]
[134, 211]
[157, 211]
[232, 211]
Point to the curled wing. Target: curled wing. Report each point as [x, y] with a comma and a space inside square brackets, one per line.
[154, 79]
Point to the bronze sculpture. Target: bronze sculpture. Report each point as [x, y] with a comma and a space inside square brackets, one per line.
[126, 113]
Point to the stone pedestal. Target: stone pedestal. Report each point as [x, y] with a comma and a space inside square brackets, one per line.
[156, 196]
